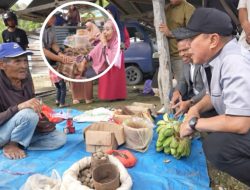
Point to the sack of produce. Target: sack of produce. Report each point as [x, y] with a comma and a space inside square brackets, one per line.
[138, 133]
[79, 175]
[106, 177]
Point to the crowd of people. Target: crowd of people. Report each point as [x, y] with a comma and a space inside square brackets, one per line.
[104, 48]
[210, 60]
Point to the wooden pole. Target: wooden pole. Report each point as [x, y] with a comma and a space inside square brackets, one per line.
[164, 74]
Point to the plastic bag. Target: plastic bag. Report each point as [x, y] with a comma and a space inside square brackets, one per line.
[44, 125]
[42, 182]
[138, 133]
[95, 115]
[49, 113]
[126, 157]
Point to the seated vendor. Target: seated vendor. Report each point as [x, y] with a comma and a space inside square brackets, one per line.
[19, 109]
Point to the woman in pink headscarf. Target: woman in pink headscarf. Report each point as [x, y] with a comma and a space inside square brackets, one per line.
[112, 85]
[93, 33]
[101, 56]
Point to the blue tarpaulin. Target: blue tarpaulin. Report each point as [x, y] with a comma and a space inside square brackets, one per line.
[150, 172]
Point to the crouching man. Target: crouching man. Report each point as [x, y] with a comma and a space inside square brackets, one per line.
[227, 69]
[19, 109]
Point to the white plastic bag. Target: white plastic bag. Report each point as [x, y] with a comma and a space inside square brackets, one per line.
[138, 133]
[95, 115]
[42, 182]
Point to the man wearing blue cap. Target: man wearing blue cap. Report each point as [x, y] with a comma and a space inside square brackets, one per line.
[227, 68]
[19, 109]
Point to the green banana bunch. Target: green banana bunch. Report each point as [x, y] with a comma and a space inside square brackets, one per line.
[169, 139]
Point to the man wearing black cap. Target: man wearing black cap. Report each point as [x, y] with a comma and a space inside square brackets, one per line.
[227, 70]
[19, 109]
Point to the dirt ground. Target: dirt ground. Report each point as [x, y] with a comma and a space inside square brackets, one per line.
[219, 180]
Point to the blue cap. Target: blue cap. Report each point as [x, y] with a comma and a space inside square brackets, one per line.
[12, 49]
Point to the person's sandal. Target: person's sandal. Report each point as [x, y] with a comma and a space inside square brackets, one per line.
[76, 102]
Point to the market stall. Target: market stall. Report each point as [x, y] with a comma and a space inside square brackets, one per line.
[153, 170]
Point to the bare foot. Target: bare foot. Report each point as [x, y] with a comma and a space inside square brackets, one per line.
[13, 152]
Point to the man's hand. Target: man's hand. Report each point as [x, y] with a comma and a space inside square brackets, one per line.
[81, 67]
[182, 106]
[192, 112]
[66, 59]
[164, 29]
[32, 103]
[176, 97]
[103, 39]
[185, 129]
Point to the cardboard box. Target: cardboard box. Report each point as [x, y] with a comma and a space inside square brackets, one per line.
[151, 107]
[137, 109]
[120, 118]
[103, 136]
[145, 105]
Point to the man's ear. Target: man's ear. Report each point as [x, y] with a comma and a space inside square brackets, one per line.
[214, 40]
[1, 65]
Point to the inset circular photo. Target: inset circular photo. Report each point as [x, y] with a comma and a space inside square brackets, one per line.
[80, 42]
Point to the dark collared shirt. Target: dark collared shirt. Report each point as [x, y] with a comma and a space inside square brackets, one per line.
[10, 97]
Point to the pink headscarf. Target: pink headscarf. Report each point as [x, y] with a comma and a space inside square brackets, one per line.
[93, 32]
[97, 53]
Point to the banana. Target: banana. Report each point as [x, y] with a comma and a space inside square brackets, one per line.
[160, 128]
[159, 143]
[165, 117]
[159, 149]
[161, 137]
[176, 126]
[167, 141]
[161, 122]
[169, 138]
[168, 132]
[174, 143]
[167, 150]
[173, 151]
[181, 147]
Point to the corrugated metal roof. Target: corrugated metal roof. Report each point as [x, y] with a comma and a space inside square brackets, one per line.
[36, 3]
[39, 9]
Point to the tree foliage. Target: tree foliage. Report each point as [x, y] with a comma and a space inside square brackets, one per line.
[26, 25]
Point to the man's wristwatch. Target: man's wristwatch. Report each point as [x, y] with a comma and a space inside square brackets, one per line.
[192, 123]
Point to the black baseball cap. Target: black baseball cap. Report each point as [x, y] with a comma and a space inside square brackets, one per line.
[207, 21]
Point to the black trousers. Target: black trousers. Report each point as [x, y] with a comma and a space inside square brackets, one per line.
[230, 153]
